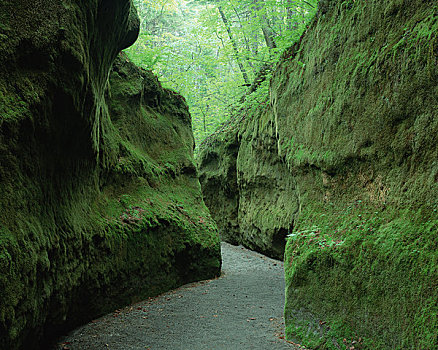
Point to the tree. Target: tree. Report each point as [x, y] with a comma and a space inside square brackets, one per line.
[214, 52]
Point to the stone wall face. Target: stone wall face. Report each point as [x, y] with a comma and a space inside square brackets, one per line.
[100, 202]
[353, 119]
[247, 186]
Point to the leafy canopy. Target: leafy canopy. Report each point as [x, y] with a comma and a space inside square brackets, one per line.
[211, 52]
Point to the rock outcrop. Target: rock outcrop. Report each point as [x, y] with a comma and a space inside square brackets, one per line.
[354, 120]
[246, 186]
[100, 201]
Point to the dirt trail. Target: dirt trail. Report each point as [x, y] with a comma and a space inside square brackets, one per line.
[240, 310]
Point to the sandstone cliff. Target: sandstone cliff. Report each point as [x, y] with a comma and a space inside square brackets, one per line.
[100, 202]
[351, 136]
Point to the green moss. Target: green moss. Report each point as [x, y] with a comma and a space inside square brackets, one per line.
[371, 52]
[12, 107]
[301, 156]
[241, 176]
[81, 236]
[355, 110]
[375, 269]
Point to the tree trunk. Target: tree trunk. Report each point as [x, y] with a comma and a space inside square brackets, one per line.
[233, 42]
[267, 32]
[269, 36]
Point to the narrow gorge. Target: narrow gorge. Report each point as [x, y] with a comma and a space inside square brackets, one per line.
[332, 167]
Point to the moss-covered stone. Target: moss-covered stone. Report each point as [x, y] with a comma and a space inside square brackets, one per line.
[242, 178]
[218, 177]
[356, 109]
[100, 201]
[354, 114]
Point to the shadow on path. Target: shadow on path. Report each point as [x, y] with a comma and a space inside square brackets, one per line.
[243, 309]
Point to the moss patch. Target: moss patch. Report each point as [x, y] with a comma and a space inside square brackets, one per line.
[365, 272]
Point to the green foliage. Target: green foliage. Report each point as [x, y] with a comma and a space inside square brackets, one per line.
[188, 46]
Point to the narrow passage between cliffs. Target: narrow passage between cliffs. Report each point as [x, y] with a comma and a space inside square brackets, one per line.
[243, 309]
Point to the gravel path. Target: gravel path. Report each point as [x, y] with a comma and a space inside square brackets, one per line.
[240, 310]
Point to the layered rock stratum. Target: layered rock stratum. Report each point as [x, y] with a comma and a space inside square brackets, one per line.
[100, 201]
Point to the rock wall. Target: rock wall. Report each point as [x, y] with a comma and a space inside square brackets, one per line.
[246, 186]
[218, 177]
[354, 113]
[100, 201]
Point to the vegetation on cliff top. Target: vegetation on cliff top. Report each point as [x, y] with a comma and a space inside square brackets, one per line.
[214, 52]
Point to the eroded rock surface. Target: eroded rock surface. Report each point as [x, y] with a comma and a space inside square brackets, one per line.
[246, 185]
[354, 120]
[100, 203]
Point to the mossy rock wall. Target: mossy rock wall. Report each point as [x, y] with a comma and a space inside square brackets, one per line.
[356, 111]
[246, 186]
[218, 177]
[100, 201]
[354, 108]
[268, 204]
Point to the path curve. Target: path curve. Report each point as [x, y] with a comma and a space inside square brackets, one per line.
[240, 310]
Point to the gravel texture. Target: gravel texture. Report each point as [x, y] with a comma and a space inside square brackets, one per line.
[243, 309]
